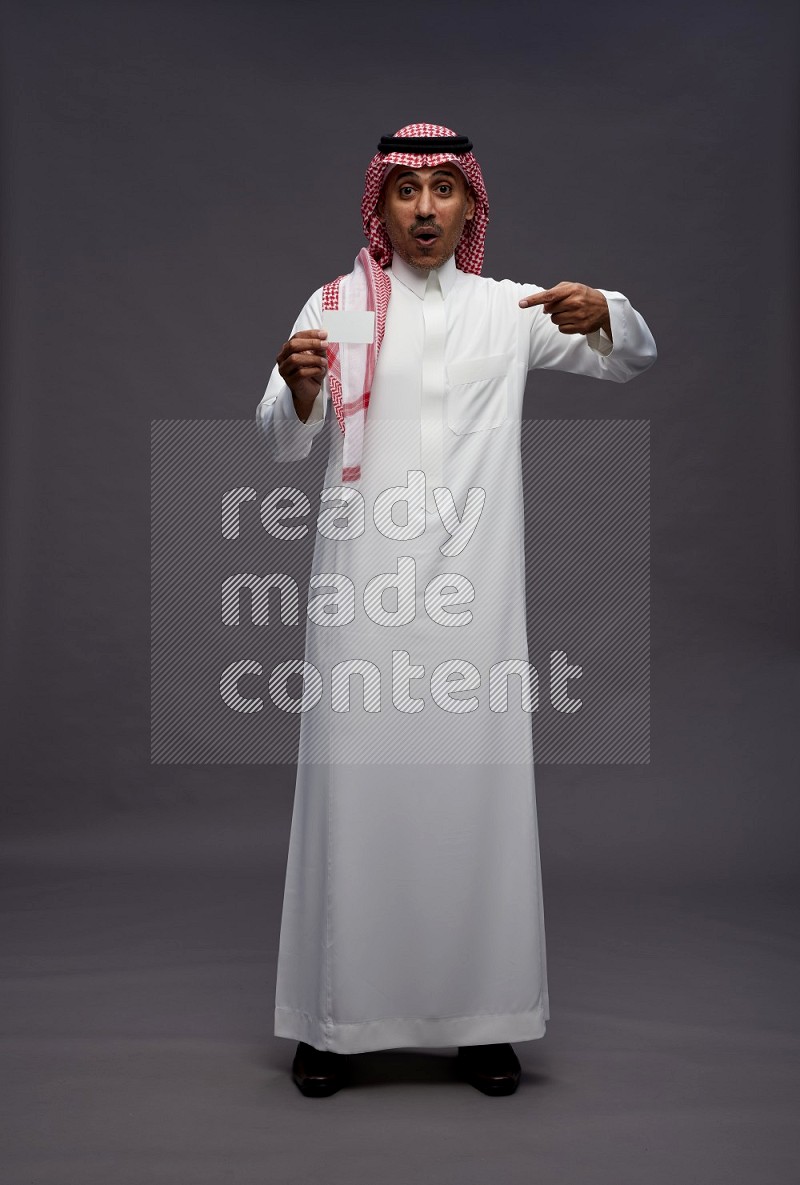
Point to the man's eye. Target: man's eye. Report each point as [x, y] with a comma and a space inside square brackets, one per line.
[444, 189]
[406, 191]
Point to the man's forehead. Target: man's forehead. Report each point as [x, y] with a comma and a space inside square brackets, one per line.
[422, 174]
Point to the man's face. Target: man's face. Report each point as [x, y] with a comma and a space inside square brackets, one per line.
[424, 212]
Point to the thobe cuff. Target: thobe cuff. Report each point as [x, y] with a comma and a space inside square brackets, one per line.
[286, 410]
[599, 340]
[288, 437]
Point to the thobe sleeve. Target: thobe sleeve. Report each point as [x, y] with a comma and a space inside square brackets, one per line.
[287, 437]
[631, 352]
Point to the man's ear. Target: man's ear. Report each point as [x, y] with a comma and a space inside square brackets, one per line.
[470, 205]
[379, 209]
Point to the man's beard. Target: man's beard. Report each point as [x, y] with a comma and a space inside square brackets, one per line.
[429, 265]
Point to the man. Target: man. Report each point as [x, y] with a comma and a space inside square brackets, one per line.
[412, 912]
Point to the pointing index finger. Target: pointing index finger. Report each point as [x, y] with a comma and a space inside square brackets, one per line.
[538, 298]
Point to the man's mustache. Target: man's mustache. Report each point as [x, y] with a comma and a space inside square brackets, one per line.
[429, 228]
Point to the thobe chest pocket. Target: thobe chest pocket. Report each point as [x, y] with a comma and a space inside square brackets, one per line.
[477, 393]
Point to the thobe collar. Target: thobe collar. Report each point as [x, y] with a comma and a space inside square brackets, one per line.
[416, 280]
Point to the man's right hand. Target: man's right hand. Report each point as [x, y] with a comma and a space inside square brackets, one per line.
[302, 363]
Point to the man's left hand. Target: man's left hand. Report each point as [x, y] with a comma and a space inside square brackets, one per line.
[574, 308]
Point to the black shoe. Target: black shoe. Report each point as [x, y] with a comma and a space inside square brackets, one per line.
[493, 1069]
[318, 1072]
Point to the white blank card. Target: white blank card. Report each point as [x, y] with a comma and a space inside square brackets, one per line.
[348, 327]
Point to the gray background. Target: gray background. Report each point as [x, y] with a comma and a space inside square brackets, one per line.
[177, 178]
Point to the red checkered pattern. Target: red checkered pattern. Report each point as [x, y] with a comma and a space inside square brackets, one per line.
[351, 367]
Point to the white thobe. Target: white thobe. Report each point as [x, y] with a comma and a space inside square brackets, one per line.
[413, 909]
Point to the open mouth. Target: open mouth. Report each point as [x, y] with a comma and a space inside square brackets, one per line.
[426, 237]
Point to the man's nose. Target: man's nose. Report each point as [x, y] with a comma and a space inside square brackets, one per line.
[425, 207]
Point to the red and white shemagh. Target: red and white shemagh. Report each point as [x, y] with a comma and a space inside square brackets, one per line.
[351, 367]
